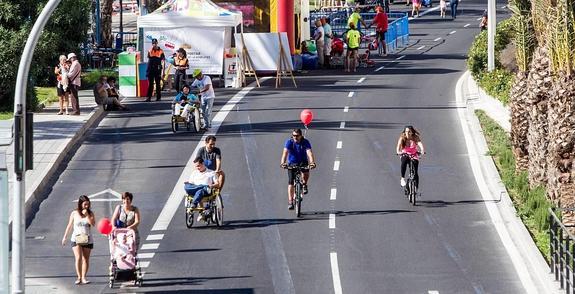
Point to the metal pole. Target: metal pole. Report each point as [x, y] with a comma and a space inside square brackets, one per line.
[304, 31]
[4, 219]
[491, 25]
[18, 214]
[122, 20]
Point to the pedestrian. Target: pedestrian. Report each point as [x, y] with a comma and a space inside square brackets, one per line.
[356, 18]
[62, 88]
[319, 36]
[415, 8]
[212, 157]
[327, 40]
[381, 21]
[127, 216]
[352, 38]
[204, 83]
[81, 221]
[453, 4]
[181, 63]
[483, 23]
[442, 7]
[74, 82]
[155, 70]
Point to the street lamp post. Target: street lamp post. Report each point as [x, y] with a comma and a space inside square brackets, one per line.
[20, 161]
[491, 25]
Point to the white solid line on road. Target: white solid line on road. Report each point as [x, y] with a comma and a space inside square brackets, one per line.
[350, 94]
[333, 194]
[336, 165]
[342, 125]
[173, 203]
[432, 292]
[437, 39]
[421, 47]
[466, 25]
[361, 80]
[155, 237]
[335, 273]
[346, 109]
[452, 32]
[150, 246]
[339, 144]
[146, 255]
[379, 68]
[495, 216]
[144, 264]
[332, 221]
[400, 57]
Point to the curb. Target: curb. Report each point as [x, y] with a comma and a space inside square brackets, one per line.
[537, 268]
[39, 193]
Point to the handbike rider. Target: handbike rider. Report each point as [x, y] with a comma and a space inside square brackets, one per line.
[201, 182]
[406, 148]
[297, 151]
[185, 98]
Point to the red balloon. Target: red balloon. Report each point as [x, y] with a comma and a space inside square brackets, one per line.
[105, 226]
[306, 116]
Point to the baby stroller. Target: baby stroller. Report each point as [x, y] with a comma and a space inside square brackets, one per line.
[123, 257]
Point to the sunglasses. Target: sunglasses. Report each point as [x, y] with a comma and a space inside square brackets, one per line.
[295, 135]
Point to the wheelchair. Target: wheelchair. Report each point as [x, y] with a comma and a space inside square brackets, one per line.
[188, 116]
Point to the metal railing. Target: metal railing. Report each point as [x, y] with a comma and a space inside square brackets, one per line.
[562, 249]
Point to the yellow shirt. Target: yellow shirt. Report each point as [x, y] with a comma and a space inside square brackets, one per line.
[354, 18]
[353, 37]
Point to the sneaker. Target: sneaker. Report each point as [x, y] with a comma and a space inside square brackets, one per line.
[290, 206]
[402, 182]
[60, 113]
[304, 189]
[148, 100]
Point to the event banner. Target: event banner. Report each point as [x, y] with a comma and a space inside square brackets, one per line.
[204, 46]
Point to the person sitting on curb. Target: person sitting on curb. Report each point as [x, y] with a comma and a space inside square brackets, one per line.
[101, 94]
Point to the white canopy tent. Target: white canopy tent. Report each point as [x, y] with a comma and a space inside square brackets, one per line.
[201, 27]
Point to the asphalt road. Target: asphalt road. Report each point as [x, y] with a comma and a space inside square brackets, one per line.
[358, 233]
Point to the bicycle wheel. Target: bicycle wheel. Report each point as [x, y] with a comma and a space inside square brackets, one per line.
[189, 213]
[412, 191]
[297, 199]
[174, 124]
[197, 123]
[219, 213]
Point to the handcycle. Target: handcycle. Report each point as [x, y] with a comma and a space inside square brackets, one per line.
[210, 209]
[298, 185]
[191, 117]
[410, 188]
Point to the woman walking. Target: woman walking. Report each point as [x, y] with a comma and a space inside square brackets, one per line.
[127, 215]
[81, 220]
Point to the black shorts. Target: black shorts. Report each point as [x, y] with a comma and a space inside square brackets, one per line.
[291, 175]
[381, 36]
[61, 92]
[91, 245]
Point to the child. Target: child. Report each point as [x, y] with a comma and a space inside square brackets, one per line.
[183, 100]
[483, 23]
[442, 7]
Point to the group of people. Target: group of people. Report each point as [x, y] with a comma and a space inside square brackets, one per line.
[107, 94]
[68, 73]
[80, 223]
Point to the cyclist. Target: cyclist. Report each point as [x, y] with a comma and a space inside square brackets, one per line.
[407, 145]
[297, 151]
[201, 182]
[212, 157]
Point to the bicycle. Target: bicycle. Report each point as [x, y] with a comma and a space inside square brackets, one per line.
[210, 209]
[410, 188]
[298, 185]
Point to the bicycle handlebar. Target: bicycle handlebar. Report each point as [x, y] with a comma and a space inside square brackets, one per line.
[299, 167]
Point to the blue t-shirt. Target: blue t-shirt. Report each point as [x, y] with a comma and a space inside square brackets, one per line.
[297, 152]
[190, 97]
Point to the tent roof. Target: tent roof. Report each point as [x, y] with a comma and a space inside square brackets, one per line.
[190, 13]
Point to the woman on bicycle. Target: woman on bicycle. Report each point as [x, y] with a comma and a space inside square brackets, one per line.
[407, 145]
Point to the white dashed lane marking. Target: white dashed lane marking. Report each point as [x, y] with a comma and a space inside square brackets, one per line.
[379, 68]
[144, 264]
[339, 144]
[466, 25]
[335, 273]
[346, 109]
[361, 80]
[146, 255]
[336, 165]
[342, 125]
[479, 18]
[333, 194]
[421, 47]
[155, 237]
[433, 292]
[437, 39]
[332, 221]
[400, 57]
[452, 32]
[350, 94]
[150, 246]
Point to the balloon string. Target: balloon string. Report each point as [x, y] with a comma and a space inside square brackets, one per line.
[305, 131]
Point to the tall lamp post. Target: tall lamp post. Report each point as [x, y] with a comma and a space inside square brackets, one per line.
[21, 140]
[491, 25]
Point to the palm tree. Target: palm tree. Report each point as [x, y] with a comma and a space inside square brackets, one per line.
[107, 9]
[525, 44]
[561, 107]
[539, 83]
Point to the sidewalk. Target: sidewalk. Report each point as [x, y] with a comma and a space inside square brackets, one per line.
[55, 136]
[536, 271]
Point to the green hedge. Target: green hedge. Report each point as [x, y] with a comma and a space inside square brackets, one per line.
[90, 78]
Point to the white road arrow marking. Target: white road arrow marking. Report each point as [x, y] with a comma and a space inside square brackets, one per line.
[93, 197]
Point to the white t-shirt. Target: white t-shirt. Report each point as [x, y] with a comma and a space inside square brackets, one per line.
[209, 94]
[207, 177]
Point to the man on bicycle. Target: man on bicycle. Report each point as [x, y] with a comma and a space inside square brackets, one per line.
[407, 145]
[212, 157]
[201, 182]
[297, 151]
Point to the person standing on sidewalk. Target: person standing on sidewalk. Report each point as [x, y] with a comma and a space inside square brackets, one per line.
[318, 36]
[352, 39]
[62, 88]
[155, 70]
[381, 21]
[81, 221]
[74, 80]
[327, 40]
[204, 83]
[453, 5]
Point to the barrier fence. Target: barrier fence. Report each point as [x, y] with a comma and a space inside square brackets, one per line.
[397, 34]
[562, 249]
